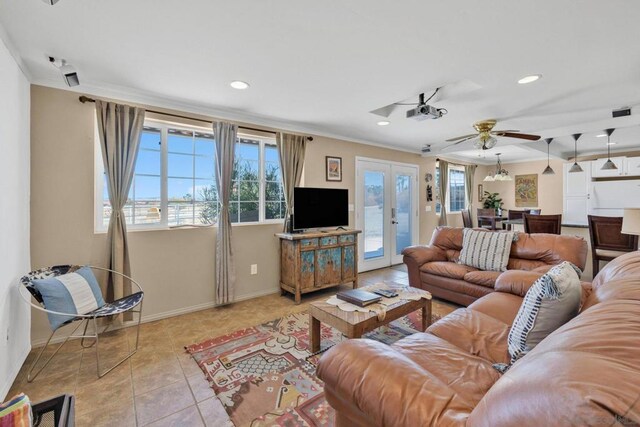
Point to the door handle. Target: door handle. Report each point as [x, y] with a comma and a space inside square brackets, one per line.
[394, 222]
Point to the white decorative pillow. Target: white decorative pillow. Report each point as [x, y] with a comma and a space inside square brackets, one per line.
[486, 250]
[552, 301]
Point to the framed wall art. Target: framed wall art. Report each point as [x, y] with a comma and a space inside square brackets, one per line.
[334, 168]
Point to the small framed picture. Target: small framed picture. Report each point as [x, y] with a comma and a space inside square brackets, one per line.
[334, 168]
[480, 192]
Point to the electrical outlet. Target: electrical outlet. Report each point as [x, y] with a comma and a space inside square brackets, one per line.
[427, 208]
[254, 269]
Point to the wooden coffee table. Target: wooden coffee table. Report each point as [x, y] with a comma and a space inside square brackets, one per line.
[353, 324]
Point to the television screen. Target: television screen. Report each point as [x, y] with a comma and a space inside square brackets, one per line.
[320, 207]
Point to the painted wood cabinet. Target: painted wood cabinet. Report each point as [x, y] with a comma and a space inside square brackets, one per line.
[318, 260]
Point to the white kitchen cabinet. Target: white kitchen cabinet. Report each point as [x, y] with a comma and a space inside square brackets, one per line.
[632, 166]
[576, 193]
[597, 172]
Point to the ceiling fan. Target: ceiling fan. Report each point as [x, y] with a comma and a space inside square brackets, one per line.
[485, 138]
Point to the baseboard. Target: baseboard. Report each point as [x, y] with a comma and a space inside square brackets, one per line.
[171, 313]
[4, 389]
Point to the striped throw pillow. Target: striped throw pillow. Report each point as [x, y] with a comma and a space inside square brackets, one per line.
[486, 250]
[552, 301]
[74, 293]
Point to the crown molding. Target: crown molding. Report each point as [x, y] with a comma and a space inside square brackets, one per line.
[153, 100]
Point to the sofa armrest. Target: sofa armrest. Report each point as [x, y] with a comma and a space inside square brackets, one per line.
[371, 380]
[416, 256]
[516, 282]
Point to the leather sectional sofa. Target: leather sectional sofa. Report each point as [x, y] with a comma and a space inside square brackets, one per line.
[434, 267]
[586, 373]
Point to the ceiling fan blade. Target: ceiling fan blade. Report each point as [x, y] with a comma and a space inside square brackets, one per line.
[518, 135]
[462, 138]
[384, 111]
[502, 131]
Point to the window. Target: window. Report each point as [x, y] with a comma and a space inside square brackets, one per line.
[455, 197]
[175, 181]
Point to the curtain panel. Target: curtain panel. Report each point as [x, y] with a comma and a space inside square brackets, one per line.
[119, 129]
[226, 135]
[469, 173]
[443, 186]
[291, 149]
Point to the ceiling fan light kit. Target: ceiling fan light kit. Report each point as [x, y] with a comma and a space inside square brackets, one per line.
[485, 138]
[548, 170]
[609, 165]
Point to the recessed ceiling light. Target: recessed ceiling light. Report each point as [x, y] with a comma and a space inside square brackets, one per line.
[611, 143]
[602, 135]
[239, 84]
[384, 123]
[529, 79]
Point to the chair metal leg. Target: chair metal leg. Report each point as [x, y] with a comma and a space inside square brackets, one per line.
[35, 362]
[124, 359]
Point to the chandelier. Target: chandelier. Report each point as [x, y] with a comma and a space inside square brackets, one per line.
[500, 175]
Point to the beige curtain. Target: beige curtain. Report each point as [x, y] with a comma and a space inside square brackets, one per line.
[226, 134]
[291, 149]
[469, 172]
[119, 128]
[443, 185]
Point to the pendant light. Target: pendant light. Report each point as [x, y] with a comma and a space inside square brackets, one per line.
[548, 170]
[609, 165]
[576, 167]
[501, 174]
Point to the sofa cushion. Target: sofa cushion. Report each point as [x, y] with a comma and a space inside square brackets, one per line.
[484, 278]
[553, 300]
[476, 333]
[486, 250]
[501, 306]
[447, 269]
[469, 376]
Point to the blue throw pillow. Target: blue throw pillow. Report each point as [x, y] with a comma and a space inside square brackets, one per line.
[75, 293]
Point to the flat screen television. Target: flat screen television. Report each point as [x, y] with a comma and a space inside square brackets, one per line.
[320, 207]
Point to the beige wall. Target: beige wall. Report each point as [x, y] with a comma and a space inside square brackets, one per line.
[176, 267]
[550, 187]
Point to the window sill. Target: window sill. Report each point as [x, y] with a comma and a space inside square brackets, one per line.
[182, 227]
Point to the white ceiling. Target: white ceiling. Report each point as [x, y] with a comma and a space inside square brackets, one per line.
[322, 66]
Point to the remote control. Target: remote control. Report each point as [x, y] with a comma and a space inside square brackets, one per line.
[385, 293]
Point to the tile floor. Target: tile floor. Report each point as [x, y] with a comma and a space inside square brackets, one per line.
[161, 385]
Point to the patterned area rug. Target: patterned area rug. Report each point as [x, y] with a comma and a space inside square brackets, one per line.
[266, 376]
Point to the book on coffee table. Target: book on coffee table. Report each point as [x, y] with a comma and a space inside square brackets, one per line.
[358, 297]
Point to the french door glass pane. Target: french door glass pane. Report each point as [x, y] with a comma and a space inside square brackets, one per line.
[373, 214]
[403, 212]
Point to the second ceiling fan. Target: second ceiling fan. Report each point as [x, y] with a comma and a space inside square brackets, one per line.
[485, 138]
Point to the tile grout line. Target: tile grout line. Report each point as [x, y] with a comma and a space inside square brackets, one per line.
[184, 374]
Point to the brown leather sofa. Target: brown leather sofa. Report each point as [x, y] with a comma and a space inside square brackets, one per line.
[586, 373]
[435, 268]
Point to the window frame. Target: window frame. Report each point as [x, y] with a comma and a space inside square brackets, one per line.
[447, 200]
[164, 126]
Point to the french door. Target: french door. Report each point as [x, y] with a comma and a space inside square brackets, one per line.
[386, 211]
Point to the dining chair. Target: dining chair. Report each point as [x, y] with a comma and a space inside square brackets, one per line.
[466, 219]
[607, 240]
[550, 224]
[535, 211]
[513, 214]
[486, 223]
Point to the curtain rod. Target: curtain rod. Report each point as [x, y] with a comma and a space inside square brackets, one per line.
[84, 99]
[455, 164]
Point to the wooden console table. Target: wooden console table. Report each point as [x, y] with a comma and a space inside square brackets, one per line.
[317, 260]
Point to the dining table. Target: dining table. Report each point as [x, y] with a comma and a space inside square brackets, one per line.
[492, 219]
[509, 223]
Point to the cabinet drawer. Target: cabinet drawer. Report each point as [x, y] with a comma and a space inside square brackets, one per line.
[329, 240]
[349, 238]
[309, 243]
